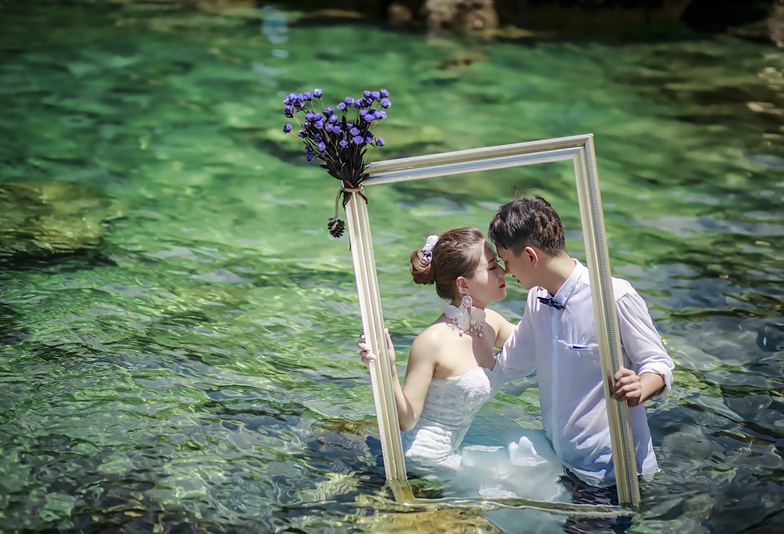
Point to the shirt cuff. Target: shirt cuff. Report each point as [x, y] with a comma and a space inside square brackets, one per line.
[661, 369]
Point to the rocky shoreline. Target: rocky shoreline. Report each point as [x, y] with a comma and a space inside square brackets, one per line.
[761, 20]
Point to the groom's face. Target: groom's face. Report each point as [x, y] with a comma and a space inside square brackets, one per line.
[518, 266]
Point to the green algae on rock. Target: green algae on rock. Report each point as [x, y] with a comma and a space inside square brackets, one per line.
[46, 219]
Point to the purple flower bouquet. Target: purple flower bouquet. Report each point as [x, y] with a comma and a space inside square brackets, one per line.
[338, 136]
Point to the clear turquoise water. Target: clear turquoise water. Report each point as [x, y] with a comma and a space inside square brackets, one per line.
[196, 368]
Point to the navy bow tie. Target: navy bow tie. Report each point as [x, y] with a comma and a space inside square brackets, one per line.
[551, 302]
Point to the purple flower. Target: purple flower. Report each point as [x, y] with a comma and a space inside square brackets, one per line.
[338, 135]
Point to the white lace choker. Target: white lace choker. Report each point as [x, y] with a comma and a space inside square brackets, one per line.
[466, 318]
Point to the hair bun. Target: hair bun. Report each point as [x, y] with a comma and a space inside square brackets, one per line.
[422, 267]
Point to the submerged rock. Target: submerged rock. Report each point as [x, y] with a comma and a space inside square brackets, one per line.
[771, 338]
[460, 15]
[43, 220]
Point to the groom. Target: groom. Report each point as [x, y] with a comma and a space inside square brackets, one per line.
[557, 337]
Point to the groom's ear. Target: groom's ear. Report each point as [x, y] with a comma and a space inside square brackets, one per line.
[532, 254]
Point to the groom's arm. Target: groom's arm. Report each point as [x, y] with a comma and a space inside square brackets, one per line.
[518, 354]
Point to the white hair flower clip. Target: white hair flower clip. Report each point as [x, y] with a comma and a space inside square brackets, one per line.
[427, 249]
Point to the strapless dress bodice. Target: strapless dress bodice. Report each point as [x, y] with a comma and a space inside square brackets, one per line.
[524, 468]
[449, 409]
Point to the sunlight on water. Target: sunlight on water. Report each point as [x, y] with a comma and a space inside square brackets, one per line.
[179, 330]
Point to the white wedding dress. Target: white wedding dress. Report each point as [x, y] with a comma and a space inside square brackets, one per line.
[526, 468]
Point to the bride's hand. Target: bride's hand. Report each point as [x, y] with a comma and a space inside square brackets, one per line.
[368, 357]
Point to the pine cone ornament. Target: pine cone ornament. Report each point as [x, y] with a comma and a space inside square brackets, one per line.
[336, 227]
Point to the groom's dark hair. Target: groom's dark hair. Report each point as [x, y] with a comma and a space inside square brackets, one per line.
[527, 222]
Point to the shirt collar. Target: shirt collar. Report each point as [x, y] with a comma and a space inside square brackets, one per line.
[563, 293]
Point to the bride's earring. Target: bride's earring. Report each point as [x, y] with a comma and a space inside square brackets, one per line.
[466, 318]
[476, 317]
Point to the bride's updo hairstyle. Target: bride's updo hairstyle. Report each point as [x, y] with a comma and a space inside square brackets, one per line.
[456, 253]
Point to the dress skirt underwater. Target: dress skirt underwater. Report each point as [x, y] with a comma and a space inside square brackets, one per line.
[526, 468]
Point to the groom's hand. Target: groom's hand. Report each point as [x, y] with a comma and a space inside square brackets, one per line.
[636, 389]
[628, 387]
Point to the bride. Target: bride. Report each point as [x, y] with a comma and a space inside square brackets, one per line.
[452, 372]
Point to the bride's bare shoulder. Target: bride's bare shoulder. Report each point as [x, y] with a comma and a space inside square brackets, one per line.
[432, 337]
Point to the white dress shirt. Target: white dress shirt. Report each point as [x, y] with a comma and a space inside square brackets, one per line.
[561, 345]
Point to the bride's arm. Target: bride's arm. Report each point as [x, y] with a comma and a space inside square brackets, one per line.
[410, 398]
[419, 374]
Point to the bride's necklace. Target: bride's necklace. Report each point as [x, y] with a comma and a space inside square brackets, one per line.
[466, 318]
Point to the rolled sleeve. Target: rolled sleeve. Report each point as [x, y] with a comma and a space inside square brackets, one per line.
[661, 369]
[641, 342]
